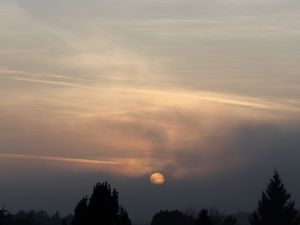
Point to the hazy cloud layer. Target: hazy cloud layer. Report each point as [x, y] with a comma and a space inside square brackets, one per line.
[142, 129]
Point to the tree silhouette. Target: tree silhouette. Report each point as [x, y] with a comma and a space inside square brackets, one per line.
[64, 222]
[275, 206]
[27, 220]
[229, 220]
[34, 218]
[102, 208]
[103, 205]
[81, 212]
[203, 218]
[123, 217]
[3, 215]
[172, 217]
[214, 217]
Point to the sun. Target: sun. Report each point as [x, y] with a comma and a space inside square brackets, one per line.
[157, 178]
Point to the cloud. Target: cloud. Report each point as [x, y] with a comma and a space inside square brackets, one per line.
[178, 131]
[59, 159]
[242, 47]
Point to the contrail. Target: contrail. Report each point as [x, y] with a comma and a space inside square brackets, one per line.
[19, 75]
[59, 159]
[222, 98]
[60, 83]
[20, 72]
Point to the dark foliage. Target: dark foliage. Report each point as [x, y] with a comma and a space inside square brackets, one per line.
[3, 216]
[172, 217]
[214, 217]
[230, 220]
[35, 218]
[205, 217]
[123, 218]
[102, 208]
[27, 220]
[81, 212]
[243, 218]
[275, 206]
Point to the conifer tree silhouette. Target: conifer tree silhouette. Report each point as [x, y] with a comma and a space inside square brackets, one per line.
[275, 206]
[103, 205]
[101, 209]
[123, 217]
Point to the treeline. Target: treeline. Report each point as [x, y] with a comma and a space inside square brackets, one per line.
[102, 208]
[33, 218]
[205, 217]
[274, 208]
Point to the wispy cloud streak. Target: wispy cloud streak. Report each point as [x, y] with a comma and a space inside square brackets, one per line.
[51, 82]
[20, 72]
[58, 159]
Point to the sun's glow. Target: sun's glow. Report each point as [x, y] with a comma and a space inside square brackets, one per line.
[157, 178]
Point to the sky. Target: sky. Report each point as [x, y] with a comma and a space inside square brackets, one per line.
[204, 92]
